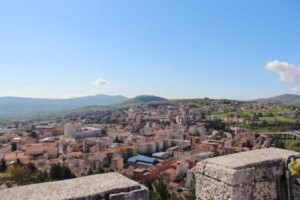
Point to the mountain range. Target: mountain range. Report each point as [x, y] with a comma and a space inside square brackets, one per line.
[24, 108]
[17, 107]
[21, 108]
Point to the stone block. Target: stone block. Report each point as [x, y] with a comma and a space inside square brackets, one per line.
[249, 175]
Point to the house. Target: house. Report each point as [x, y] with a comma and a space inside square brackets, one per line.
[48, 150]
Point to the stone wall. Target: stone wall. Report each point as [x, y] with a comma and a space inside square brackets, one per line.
[253, 175]
[295, 189]
[111, 186]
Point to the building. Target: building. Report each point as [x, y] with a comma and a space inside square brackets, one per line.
[48, 150]
[181, 168]
[159, 145]
[161, 155]
[70, 129]
[171, 150]
[90, 132]
[147, 148]
[142, 161]
[117, 163]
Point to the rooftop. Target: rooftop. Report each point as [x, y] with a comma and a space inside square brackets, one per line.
[141, 158]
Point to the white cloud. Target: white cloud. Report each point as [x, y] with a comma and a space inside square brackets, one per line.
[100, 85]
[295, 90]
[100, 81]
[288, 73]
[29, 90]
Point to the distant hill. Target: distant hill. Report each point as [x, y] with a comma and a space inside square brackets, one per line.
[18, 108]
[286, 99]
[144, 99]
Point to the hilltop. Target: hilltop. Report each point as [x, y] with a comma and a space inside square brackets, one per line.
[144, 99]
[285, 99]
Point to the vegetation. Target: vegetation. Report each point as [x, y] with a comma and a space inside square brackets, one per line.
[3, 166]
[286, 99]
[264, 126]
[33, 134]
[60, 172]
[217, 125]
[159, 191]
[295, 168]
[143, 99]
[191, 195]
[13, 147]
[293, 145]
[24, 174]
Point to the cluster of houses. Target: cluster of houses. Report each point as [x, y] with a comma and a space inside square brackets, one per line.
[146, 142]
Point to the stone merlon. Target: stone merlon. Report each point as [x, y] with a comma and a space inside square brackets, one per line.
[111, 186]
[249, 175]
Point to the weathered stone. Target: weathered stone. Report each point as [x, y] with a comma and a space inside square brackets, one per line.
[141, 194]
[295, 188]
[105, 186]
[249, 175]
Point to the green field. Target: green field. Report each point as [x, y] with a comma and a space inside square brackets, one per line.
[278, 119]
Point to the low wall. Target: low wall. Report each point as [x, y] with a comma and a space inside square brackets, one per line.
[111, 186]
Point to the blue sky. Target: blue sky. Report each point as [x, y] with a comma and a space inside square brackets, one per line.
[175, 49]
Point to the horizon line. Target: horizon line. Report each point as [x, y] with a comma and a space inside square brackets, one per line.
[83, 96]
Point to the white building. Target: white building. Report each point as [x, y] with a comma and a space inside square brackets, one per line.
[146, 148]
[117, 163]
[70, 129]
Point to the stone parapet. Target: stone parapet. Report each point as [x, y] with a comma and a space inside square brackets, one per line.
[111, 186]
[249, 175]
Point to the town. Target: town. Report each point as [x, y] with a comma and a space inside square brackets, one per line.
[144, 141]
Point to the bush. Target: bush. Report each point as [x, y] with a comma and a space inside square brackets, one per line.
[293, 145]
[295, 168]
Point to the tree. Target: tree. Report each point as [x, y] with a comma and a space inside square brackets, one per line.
[54, 173]
[279, 144]
[22, 174]
[60, 172]
[160, 190]
[191, 195]
[293, 145]
[33, 135]
[3, 165]
[117, 140]
[295, 168]
[41, 177]
[90, 172]
[13, 147]
[31, 167]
